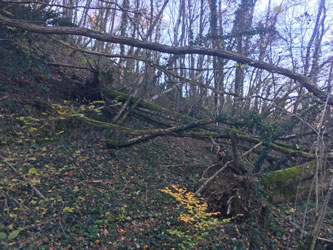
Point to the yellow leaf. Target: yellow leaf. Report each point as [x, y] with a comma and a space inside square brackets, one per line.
[68, 209]
[32, 158]
[12, 215]
[19, 133]
[32, 129]
[59, 198]
[32, 171]
[20, 118]
[82, 108]
[44, 149]
[9, 159]
[99, 102]
[35, 181]
[290, 211]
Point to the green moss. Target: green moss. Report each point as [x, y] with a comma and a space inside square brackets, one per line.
[285, 177]
[282, 177]
[282, 184]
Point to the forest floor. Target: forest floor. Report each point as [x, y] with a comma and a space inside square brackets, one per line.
[96, 198]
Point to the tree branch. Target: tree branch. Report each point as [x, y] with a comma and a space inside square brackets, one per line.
[303, 80]
[158, 132]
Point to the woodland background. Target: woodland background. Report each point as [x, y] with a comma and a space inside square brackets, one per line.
[166, 124]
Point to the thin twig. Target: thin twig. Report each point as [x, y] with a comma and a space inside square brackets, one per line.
[204, 173]
[25, 178]
[15, 200]
[122, 110]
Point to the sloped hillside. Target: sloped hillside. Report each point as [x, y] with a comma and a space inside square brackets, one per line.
[61, 187]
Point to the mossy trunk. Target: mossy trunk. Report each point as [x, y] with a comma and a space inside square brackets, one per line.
[284, 185]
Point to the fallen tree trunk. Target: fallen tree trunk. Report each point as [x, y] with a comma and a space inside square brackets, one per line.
[208, 132]
[286, 184]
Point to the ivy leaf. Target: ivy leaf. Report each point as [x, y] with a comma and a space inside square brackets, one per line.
[14, 234]
[10, 28]
[3, 236]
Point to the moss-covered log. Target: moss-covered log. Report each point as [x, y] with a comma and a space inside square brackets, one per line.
[283, 185]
